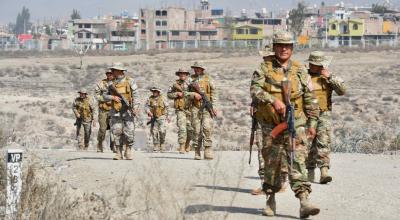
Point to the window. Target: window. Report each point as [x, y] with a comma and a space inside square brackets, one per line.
[175, 33]
[87, 25]
[88, 35]
[355, 26]
[333, 27]
[164, 13]
[113, 33]
[257, 21]
[253, 31]
[192, 33]
[164, 23]
[158, 23]
[143, 31]
[80, 35]
[143, 21]
[158, 33]
[158, 13]
[240, 31]
[80, 25]
[345, 29]
[164, 33]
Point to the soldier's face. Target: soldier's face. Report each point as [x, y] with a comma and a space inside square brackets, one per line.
[117, 73]
[198, 71]
[182, 76]
[82, 95]
[315, 68]
[110, 76]
[156, 93]
[283, 51]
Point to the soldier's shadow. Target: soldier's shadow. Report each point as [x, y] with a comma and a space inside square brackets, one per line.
[225, 188]
[175, 158]
[201, 208]
[89, 158]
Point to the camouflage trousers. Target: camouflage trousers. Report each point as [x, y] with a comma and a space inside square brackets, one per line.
[84, 130]
[185, 130]
[123, 129]
[258, 143]
[158, 132]
[207, 127]
[321, 146]
[104, 125]
[276, 152]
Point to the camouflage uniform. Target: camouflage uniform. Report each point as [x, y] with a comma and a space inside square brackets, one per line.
[159, 109]
[265, 89]
[323, 89]
[84, 111]
[104, 114]
[182, 107]
[122, 122]
[206, 84]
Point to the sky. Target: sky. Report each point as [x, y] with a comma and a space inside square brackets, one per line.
[50, 9]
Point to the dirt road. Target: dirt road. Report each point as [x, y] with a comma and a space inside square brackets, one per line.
[172, 186]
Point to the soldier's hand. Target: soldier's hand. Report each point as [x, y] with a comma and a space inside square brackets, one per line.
[311, 133]
[197, 96]
[325, 73]
[215, 112]
[94, 123]
[179, 94]
[116, 98]
[280, 107]
[150, 114]
[78, 116]
[252, 111]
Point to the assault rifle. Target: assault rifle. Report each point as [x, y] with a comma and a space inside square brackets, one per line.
[206, 102]
[253, 130]
[78, 124]
[124, 101]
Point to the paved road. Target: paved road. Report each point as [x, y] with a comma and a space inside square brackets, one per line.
[169, 185]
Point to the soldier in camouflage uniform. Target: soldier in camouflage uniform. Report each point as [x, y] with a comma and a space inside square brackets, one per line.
[157, 110]
[122, 119]
[207, 86]
[266, 89]
[104, 111]
[324, 83]
[179, 92]
[84, 111]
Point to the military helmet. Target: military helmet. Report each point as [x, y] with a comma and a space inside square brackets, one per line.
[117, 66]
[266, 52]
[318, 58]
[197, 65]
[283, 37]
[82, 91]
[181, 70]
[152, 89]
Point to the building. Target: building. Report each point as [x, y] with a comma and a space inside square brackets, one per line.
[345, 31]
[90, 32]
[247, 32]
[122, 34]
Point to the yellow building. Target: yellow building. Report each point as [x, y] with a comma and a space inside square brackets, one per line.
[346, 28]
[247, 32]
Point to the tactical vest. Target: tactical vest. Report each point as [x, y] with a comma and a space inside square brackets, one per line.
[180, 103]
[157, 106]
[83, 108]
[323, 93]
[272, 85]
[106, 106]
[123, 87]
[205, 86]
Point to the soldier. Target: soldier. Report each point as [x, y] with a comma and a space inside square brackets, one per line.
[179, 92]
[202, 119]
[157, 110]
[266, 88]
[104, 111]
[324, 83]
[124, 102]
[84, 111]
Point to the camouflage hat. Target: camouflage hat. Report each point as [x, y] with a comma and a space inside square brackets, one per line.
[283, 37]
[82, 91]
[197, 65]
[155, 89]
[117, 66]
[182, 71]
[318, 58]
[266, 52]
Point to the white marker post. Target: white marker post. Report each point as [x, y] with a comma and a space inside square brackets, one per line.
[14, 181]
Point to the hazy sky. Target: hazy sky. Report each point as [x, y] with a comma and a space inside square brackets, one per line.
[41, 9]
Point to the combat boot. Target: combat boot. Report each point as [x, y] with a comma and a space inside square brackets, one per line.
[187, 146]
[128, 153]
[162, 148]
[257, 191]
[283, 182]
[311, 175]
[306, 208]
[99, 148]
[156, 148]
[325, 178]
[270, 210]
[197, 154]
[208, 155]
[118, 154]
[182, 149]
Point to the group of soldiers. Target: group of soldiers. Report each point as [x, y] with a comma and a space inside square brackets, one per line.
[194, 99]
[291, 154]
[305, 143]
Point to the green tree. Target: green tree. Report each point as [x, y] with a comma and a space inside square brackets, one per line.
[296, 19]
[22, 25]
[75, 14]
[379, 9]
[48, 30]
[323, 4]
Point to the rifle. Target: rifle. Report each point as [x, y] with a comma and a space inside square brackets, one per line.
[206, 102]
[125, 102]
[253, 131]
[152, 121]
[289, 123]
[78, 124]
